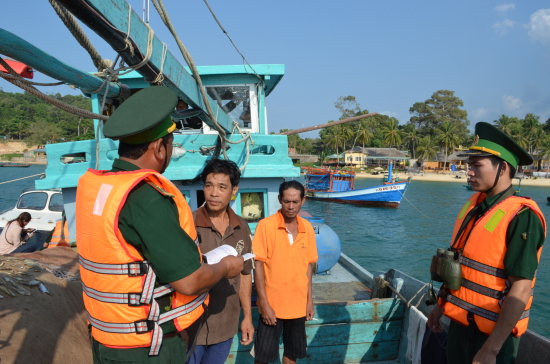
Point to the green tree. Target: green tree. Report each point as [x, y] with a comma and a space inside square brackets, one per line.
[391, 133]
[42, 133]
[410, 137]
[348, 106]
[506, 123]
[442, 106]
[427, 149]
[447, 137]
[364, 132]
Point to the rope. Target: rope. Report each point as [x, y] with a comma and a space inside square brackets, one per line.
[160, 76]
[19, 179]
[35, 83]
[414, 206]
[127, 40]
[75, 29]
[159, 5]
[20, 82]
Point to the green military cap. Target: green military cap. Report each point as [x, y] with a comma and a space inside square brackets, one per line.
[144, 117]
[491, 141]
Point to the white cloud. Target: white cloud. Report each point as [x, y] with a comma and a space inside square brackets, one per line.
[391, 114]
[502, 27]
[480, 113]
[539, 26]
[503, 8]
[511, 103]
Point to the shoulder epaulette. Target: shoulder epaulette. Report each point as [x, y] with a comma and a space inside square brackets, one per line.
[159, 189]
[523, 210]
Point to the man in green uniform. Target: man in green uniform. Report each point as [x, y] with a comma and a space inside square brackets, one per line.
[149, 220]
[493, 160]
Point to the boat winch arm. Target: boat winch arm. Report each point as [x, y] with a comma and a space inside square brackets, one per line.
[109, 20]
[19, 49]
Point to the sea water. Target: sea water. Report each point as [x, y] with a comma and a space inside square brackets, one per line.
[379, 239]
[406, 238]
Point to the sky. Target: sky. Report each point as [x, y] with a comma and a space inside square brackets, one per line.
[388, 54]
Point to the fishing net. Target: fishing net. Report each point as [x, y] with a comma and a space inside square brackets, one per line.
[48, 327]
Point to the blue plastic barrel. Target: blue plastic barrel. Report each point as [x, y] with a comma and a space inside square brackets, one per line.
[328, 245]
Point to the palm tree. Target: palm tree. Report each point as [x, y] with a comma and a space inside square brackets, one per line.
[391, 133]
[427, 148]
[544, 151]
[335, 139]
[347, 133]
[518, 134]
[537, 138]
[411, 138]
[446, 136]
[506, 123]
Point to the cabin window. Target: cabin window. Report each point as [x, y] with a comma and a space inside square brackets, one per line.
[252, 205]
[56, 202]
[239, 101]
[358, 159]
[33, 201]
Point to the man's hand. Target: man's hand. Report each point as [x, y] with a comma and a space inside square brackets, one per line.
[268, 315]
[234, 265]
[310, 311]
[247, 330]
[485, 356]
[433, 319]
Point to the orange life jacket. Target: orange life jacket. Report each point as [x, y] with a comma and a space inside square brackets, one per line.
[60, 232]
[484, 279]
[118, 284]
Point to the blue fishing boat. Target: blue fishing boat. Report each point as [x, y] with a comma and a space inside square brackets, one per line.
[361, 317]
[338, 186]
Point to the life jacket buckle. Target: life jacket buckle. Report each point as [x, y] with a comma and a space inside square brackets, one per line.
[134, 300]
[137, 269]
[144, 326]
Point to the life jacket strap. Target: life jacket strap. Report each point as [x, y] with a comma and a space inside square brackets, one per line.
[486, 291]
[484, 268]
[479, 311]
[152, 324]
[133, 269]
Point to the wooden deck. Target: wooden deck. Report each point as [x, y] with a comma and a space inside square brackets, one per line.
[349, 327]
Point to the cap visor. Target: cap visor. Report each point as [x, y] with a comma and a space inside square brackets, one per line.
[474, 153]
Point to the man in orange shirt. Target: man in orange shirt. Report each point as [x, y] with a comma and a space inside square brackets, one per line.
[284, 244]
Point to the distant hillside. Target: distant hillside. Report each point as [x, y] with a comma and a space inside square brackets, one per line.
[33, 121]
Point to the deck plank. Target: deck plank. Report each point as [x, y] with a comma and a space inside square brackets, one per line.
[352, 353]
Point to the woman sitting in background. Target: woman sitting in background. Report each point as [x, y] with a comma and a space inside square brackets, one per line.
[14, 237]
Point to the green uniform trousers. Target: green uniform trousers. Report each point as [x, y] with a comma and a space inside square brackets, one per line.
[459, 342]
[172, 351]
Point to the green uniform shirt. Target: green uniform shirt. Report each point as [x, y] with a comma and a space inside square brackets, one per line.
[150, 222]
[521, 261]
[521, 255]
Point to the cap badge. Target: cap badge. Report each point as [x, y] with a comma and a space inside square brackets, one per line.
[476, 140]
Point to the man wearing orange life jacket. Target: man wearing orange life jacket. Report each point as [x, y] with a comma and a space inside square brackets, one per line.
[60, 234]
[143, 280]
[498, 240]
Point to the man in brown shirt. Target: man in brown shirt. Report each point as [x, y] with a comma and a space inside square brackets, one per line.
[217, 224]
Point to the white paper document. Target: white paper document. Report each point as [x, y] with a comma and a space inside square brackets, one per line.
[216, 255]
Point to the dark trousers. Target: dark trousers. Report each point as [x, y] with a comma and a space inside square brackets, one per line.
[25, 248]
[461, 349]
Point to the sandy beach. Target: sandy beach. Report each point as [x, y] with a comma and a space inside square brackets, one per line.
[440, 177]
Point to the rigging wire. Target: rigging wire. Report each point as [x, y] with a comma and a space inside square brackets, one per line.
[231, 40]
[19, 179]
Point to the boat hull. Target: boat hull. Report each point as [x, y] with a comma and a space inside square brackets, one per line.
[384, 195]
